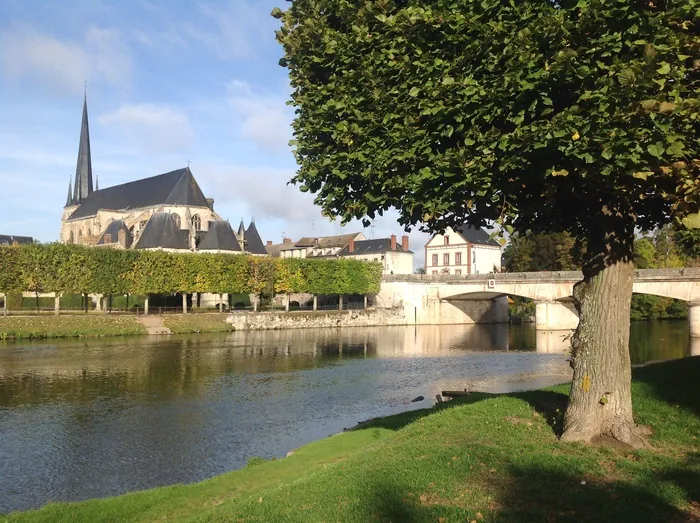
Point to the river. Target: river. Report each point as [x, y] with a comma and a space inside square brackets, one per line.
[90, 418]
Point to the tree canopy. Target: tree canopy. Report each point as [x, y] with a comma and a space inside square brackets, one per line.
[570, 116]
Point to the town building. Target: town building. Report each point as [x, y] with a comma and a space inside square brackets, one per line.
[464, 250]
[10, 239]
[315, 247]
[168, 212]
[395, 258]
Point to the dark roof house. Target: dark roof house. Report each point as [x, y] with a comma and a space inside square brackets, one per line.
[476, 235]
[111, 234]
[375, 246]
[10, 239]
[253, 242]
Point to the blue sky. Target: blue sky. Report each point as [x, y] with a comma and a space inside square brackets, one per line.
[168, 81]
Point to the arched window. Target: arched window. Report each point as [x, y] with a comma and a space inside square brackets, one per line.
[176, 216]
[71, 239]
[197, 222]
[80, 235]
[89, 232]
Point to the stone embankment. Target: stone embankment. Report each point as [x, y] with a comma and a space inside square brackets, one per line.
[309, 320]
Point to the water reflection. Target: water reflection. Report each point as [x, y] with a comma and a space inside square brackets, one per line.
[82, 419]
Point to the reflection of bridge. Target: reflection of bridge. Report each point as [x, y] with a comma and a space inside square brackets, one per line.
[482, 298]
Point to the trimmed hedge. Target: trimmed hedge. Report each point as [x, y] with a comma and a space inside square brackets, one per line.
[78, 269]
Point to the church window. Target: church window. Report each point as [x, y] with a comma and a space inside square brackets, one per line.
[80, 235]
[89, 233]
[197, 222]
[71, 239]
[176, 216]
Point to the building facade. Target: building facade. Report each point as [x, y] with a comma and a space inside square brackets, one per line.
[314, 247]
[395, 258]
[464, 250]
[168, 211]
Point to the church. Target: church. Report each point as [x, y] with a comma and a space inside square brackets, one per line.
[165, 212]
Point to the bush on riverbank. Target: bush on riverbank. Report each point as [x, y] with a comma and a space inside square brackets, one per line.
[95, 325]
[484, 458]
[196, 323]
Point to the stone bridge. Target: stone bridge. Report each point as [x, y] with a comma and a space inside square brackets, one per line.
[482, 298]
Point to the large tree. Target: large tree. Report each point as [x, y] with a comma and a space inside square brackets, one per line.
[538, 115]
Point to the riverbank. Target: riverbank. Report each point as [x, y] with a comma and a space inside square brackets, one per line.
[482, 458]
[95, 325]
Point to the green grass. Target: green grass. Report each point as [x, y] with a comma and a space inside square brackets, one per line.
[485, 458]
[90, 325]
[200, 322]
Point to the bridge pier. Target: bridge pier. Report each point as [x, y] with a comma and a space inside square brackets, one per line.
[555, 316]
[694, 319]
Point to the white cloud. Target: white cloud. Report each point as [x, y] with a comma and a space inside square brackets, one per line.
[65, 64]
[154, 128]
[265, 118]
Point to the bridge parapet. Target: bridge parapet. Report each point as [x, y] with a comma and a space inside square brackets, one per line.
[682, 274]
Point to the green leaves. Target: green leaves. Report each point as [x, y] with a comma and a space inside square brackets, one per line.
[454, 102]
[78, 269]
[656, 150]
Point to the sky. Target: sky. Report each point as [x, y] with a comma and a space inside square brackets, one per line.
[167, 82]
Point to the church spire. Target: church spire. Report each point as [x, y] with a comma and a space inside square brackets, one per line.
[69, 200]
[83, 169]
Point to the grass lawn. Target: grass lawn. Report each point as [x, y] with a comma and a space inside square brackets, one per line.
[200, 322]
[29, 327]
[485, 458]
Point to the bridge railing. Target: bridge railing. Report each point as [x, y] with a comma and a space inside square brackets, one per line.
[683, 274]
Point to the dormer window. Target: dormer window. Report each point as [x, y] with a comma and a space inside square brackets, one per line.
[447, 240]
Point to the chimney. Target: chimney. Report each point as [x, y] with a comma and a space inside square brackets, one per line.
[404, 242]
[351, 246]
[210, 203]
[108, 238]
[122, 238]
[269, 242]
[393, 242]
[286, 240]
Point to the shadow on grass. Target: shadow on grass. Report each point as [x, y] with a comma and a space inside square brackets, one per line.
[541, 494]
[549, 404]
[675, 382]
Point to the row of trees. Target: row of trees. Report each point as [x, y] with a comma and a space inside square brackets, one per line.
[77, 269]
[667, 247]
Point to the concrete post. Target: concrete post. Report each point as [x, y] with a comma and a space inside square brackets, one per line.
[694, 319]
[365, 306]
[340, 302]
[145, 306]
[315, 303]
[184, 303]
[56, 303]
[555, 315]
[286, 303]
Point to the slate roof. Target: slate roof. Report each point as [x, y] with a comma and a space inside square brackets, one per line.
[376, 246]
[325, 242]
[253, 242]
[476, 235]
[113, 228]
[83, 169]
[274, 250]
[220, 237]
[9, 239]
[174, 188]
[162, 231]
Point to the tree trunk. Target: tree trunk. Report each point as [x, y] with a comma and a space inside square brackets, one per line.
[37, 302]
[601, 402]
[184, 303]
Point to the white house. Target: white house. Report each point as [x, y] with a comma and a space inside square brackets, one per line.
[395, 258]
[466, 250]
[315, 247]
